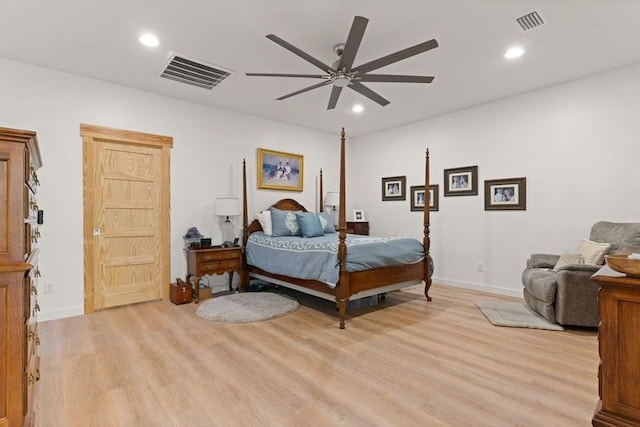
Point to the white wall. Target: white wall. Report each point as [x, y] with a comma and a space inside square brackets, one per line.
[206, 162]
[578, 145]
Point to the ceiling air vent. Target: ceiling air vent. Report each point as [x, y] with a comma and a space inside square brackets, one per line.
[530, 21]
[192, 72]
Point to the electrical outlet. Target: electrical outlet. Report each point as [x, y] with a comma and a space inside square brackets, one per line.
[48, 288]
[480, 267]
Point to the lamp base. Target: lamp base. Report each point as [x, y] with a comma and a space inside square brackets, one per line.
[227, 233]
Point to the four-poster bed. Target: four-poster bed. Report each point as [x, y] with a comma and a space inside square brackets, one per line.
[397, 274]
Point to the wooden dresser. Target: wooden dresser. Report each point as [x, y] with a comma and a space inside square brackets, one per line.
[619, 371]
[19, 234]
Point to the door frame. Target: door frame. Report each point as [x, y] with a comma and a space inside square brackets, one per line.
[90, 135]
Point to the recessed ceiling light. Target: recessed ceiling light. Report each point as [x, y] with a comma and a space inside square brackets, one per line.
[357, 108]
[149, 40]
[514, 52]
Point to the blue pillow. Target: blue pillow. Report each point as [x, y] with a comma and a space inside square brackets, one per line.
[309, 223]
[326, 219]
[284, 223]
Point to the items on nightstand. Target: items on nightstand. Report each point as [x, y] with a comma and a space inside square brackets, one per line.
[192, 238]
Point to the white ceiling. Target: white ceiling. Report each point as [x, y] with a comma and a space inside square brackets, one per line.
[98, 39]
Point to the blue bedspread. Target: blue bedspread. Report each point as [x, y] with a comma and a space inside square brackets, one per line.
[317, 258]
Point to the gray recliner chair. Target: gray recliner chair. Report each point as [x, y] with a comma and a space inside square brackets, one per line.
[569, 296]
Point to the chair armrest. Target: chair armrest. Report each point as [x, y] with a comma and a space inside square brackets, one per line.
[542, 261]
[591, 268]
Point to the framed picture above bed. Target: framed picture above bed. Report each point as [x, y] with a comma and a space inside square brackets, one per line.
[461, 181]
[278, 170]
[509, 194]
[394, 188]
[417, 198]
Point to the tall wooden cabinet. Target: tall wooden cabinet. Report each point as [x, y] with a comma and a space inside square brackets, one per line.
[619, 370]
[19, 234]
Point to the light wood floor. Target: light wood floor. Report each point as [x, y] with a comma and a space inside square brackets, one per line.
[406, 362]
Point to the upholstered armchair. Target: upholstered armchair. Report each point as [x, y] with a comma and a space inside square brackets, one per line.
[560, 289]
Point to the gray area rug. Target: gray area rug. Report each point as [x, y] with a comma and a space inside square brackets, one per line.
[247, 307]
[515, 315]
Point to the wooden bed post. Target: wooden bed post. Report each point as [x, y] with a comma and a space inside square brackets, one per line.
[426, 240]
[342, 290]
[321, 207]
[244, 277]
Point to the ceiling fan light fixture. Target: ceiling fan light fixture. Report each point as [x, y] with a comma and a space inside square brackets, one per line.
[357, 109]
[342, 81]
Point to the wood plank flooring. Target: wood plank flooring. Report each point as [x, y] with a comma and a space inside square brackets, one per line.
[404, 362]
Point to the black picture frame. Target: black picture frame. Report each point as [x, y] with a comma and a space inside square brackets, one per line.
[507, 194]
[417, 198]
[394, 188]
[461, 181]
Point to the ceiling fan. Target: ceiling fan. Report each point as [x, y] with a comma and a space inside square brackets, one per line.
[342, 73]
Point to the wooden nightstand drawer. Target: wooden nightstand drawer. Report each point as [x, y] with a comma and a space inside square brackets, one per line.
[219, 255]
[220, 266]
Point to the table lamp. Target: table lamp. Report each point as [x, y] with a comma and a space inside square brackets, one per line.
[227, 206]
[332, 200]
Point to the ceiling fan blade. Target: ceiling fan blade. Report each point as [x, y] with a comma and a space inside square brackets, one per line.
[363, 90]
[311, 76]
[353, 43]
[306, 89]
[333, 99]
[300, 53]
[395, 57]
[391, 78]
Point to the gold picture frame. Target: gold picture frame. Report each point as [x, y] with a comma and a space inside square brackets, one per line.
[278, 170]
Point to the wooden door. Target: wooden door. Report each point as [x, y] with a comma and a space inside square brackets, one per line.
[126, 217]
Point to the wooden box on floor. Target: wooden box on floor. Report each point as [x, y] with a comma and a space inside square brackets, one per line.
[180, 294]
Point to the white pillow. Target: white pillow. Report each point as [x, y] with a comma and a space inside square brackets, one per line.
[264, 218]
[593, 252]
[568, 258]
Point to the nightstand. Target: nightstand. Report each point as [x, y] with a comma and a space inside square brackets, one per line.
[358, 227]
[201, 262]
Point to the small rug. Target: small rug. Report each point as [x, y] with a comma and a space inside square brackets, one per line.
[247, 307]
[515, 315]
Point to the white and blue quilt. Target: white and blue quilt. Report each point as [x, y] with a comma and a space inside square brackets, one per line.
[317, 258]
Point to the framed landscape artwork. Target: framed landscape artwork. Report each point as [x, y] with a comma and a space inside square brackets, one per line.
[394, 188]
[461, 181]
[278, 170]
[417, 198]
[505, 194]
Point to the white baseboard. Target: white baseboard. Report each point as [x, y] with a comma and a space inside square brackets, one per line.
[478, 287]
[43, 316]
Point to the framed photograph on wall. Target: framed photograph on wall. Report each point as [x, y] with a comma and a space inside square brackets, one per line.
[394, 188]
[358, 215]
[461, 181]
[278, 170]
[417, 198]
[508, 194]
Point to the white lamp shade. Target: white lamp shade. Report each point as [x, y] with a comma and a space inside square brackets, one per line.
[227, 206]
[332, 199]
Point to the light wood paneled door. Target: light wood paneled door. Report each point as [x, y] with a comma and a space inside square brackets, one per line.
[126, 217]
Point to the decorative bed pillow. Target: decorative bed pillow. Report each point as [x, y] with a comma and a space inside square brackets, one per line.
[309, 223]
[593, 252]
[568, 258]
[264, 218]
[284, 223]
[327, 222]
